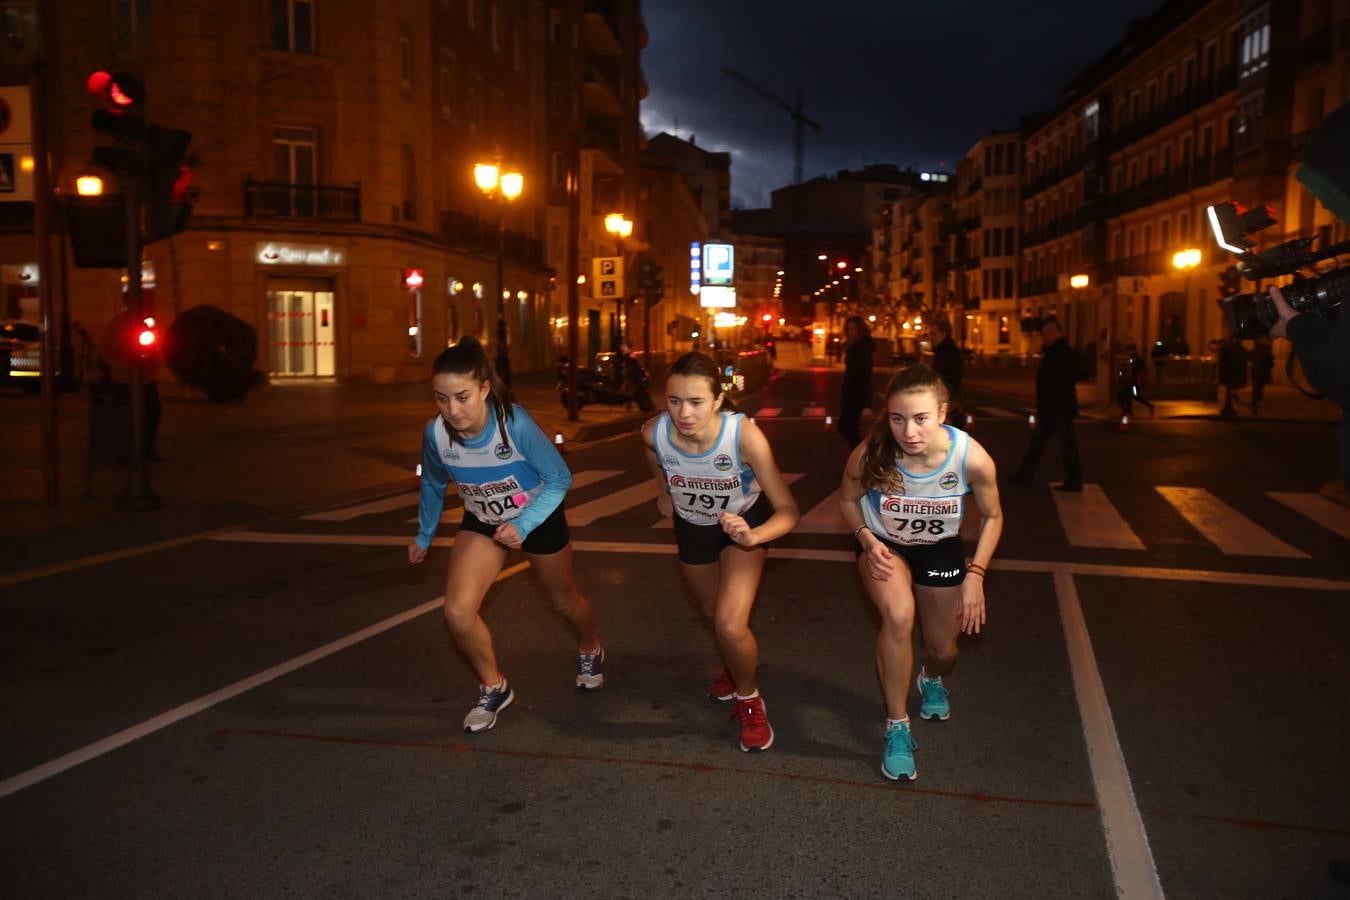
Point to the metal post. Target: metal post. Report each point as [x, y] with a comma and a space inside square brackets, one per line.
[138, 496]
[51, 492]
[573, 271]
[503, 354]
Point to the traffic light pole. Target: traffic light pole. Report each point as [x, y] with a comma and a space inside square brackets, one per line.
[573, 272]
[138, 497]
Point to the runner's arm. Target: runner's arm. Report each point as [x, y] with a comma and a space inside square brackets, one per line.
[435, 479]
[756, 451]
[545, 459]
[983, 482]
[658, 473]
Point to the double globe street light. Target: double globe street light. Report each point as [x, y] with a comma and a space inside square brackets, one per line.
[502, 187]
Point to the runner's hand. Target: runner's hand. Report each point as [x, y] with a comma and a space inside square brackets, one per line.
[507, 535]
[877, 560]
[416, 553]
[972, 604]
[738, 530]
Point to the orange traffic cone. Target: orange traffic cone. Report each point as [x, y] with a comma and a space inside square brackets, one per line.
[1031, 421]
[1124, 423]
[559, 443]
[829, 423]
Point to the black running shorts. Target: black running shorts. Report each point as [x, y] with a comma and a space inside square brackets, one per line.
[702, 545]
[548, 537]
[932, 565]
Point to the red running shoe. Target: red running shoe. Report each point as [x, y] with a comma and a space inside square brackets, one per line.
[722, 688]
[756, 732]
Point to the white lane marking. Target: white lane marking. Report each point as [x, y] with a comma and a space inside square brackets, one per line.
[1126, 841]
[1225, 527]
[824, 518]
[347, 513]
[1331, 516]
[813, 412]
[56, 766]
[769, 412]
[1000, 413]
[1153, 573]
[788, 477]
[1090, 520]
[634, 495]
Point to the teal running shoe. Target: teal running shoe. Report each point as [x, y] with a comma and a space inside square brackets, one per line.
[934, 694]
[898, 759]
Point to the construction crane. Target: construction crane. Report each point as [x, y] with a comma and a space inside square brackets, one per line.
[799, 118]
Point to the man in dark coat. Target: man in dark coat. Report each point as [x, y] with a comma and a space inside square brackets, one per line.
[857, 392]
[949, 363]
[1056, 408]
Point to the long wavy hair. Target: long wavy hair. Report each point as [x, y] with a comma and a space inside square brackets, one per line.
[467, 357]
[879, 469]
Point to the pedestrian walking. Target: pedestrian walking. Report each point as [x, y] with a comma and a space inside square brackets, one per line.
[1056, 408]
[1130, 389]
[951, 365]
[719, 481]
[903, 495]
[1232, 373]
[857, 391]
[1263, 368]
[513, 483]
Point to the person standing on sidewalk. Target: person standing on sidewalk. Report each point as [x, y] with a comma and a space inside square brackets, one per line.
[1263, 368]
[903, 494]
[951, 365]
[857, 391]
[1056, 408]
[513, 482]
[1232, 374]
[718, 480]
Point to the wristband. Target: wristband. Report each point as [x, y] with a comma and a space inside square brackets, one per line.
[859, 530]
[976, 569]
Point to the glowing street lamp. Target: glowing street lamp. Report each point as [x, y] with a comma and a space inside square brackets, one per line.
[621, 228]
[502, 187]
[1186, 259]
[1078, 282]
[89, 186]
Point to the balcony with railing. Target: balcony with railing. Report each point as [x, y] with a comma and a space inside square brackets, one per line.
[474, 234]
[282, 200]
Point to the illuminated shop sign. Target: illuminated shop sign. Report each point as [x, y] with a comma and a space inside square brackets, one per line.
[273, 254]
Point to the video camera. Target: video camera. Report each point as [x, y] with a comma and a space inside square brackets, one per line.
[1251, 316]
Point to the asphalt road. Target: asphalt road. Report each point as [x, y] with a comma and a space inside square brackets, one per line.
[1156, 707]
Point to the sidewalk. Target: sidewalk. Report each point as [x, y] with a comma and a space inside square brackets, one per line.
[284, 449]
[1280, 404]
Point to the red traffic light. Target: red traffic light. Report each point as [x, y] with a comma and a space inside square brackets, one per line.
[121, 89]
[414, 278]
[145, 335]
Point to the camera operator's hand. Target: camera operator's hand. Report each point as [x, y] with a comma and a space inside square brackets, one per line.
[1286, 312]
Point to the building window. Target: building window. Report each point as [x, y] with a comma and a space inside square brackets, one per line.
[495, 24]
[447, 86]
[1164, 233]
[555, 27]
[1091, 121]
[473, 103]
[1167, 158]
[295, 163]
[557, 169]
[131, 22]
[409, 184]
[405, 55]
[293, 25]
[1008, 284]
[1183, 227]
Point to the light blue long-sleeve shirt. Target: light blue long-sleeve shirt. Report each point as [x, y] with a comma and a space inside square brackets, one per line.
[492, 474]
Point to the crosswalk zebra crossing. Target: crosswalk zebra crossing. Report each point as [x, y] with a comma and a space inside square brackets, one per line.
[813, 409]
[1090, 519]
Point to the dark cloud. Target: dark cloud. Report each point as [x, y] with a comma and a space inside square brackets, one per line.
[913, 83]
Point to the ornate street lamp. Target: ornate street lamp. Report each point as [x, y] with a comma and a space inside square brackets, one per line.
[503, 188]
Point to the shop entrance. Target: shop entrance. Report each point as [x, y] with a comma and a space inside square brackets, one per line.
[301, 333]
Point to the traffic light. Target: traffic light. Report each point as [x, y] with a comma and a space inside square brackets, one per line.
[120, 118]
[167, 181]
[146, 337]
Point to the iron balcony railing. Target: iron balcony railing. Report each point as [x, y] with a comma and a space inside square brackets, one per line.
[276, 199]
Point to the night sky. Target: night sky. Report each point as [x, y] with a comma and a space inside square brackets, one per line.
[911, 83]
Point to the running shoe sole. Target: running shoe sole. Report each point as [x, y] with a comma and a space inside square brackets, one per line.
[891, 777]
[918, 683]
[510, 698]
[746, 749]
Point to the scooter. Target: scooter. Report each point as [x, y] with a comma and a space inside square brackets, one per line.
[592, 387]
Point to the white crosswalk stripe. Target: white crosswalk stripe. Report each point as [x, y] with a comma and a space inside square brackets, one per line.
[618, 501]
[1089, 520]
[1331, 516]
[1225, 527]
[347, 513]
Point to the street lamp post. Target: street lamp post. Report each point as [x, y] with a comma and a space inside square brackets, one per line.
[621, 228]
[503, 187]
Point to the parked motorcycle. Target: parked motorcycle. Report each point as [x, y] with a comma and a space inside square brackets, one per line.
[593, 387]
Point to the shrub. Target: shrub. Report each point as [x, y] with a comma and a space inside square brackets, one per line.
[214, 352]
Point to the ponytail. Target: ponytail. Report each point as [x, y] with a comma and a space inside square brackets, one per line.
[468, 357]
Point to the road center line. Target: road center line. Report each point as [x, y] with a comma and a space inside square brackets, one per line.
[1126, 842]
[56, 766]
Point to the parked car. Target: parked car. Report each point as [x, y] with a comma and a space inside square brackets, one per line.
[21, 350]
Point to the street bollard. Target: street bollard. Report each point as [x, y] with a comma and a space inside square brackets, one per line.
[829, 423]
[559, 443]
[1031, 421]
